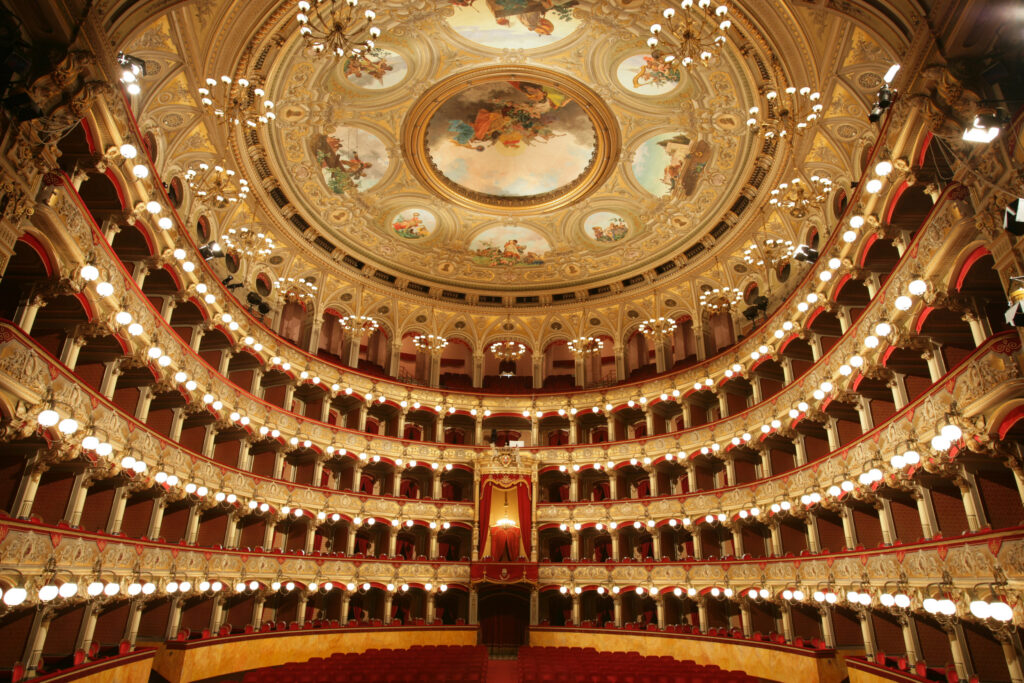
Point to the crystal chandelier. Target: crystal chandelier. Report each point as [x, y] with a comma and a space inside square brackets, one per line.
[297, 289]
[694, 36]
[508, 350]
[237, 101]
[429, 342]
[585, 346]
[792, 113]
[216, 185]
[359, 324]
[798, 197]
[720, 299]
[769, 252]
[247, 241]
[336, 27]
[658, 327]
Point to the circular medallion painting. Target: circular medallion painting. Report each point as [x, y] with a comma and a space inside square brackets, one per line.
[509, 245]
[605, 227]
[511, 139]
[376, 69]
[513, 24]
[671, 164]
[645, 75]
[350, 159]
[412, 224]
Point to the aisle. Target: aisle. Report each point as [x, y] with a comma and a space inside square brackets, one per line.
[502, 671]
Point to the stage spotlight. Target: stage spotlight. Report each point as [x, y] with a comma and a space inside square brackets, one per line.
[805, 253]
[210, 251]
[1013, 217]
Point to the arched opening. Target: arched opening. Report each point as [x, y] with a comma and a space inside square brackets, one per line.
[504, 612]
[559, 366]
[27, 267]
[456, 365]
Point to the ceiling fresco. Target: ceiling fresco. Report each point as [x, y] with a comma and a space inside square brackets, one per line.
[509, 146]
[560, 148]
[511, 139]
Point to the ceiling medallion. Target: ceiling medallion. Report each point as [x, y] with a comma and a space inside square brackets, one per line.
[478, 139]
[336, 27]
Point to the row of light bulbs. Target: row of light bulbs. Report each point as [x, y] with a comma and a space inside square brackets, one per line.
[981, 609]
[67, 590]
[123, 317]
[882, 169]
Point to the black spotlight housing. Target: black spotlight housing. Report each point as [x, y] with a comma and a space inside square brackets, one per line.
[761, 302]
[885, 97]
[750, 313]
[211, 250]
[254, 299]
[806, 253]
[1013, 218]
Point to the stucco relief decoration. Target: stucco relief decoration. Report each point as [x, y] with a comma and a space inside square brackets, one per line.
[508, 173]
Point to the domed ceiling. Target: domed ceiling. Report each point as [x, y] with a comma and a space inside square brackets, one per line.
[522, 145]
[569, 161]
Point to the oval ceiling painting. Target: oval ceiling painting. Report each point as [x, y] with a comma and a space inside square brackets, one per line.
[376, 69]
[645, 75]
[514, 24]
[412, 224]
[350, 159]
[605, 227]
[671, 164]
[511, 139]
[509, 245]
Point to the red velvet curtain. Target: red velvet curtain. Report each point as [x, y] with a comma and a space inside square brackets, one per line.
[525, 518]
[485, 513]
[505, 543]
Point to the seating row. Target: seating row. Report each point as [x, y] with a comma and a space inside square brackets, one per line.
[418, 664]
[587, 665]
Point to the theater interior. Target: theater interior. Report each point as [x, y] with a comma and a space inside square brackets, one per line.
[722, 381]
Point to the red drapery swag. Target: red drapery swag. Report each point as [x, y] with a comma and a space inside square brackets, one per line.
[525, 507]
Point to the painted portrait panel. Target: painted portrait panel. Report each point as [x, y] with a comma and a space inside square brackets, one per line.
[511, 139]
[414, 223]
[671, 163]
[605, 227]
[375, 70]
[515, 24]
[350, 159]
[509, 245]
[645, 75]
